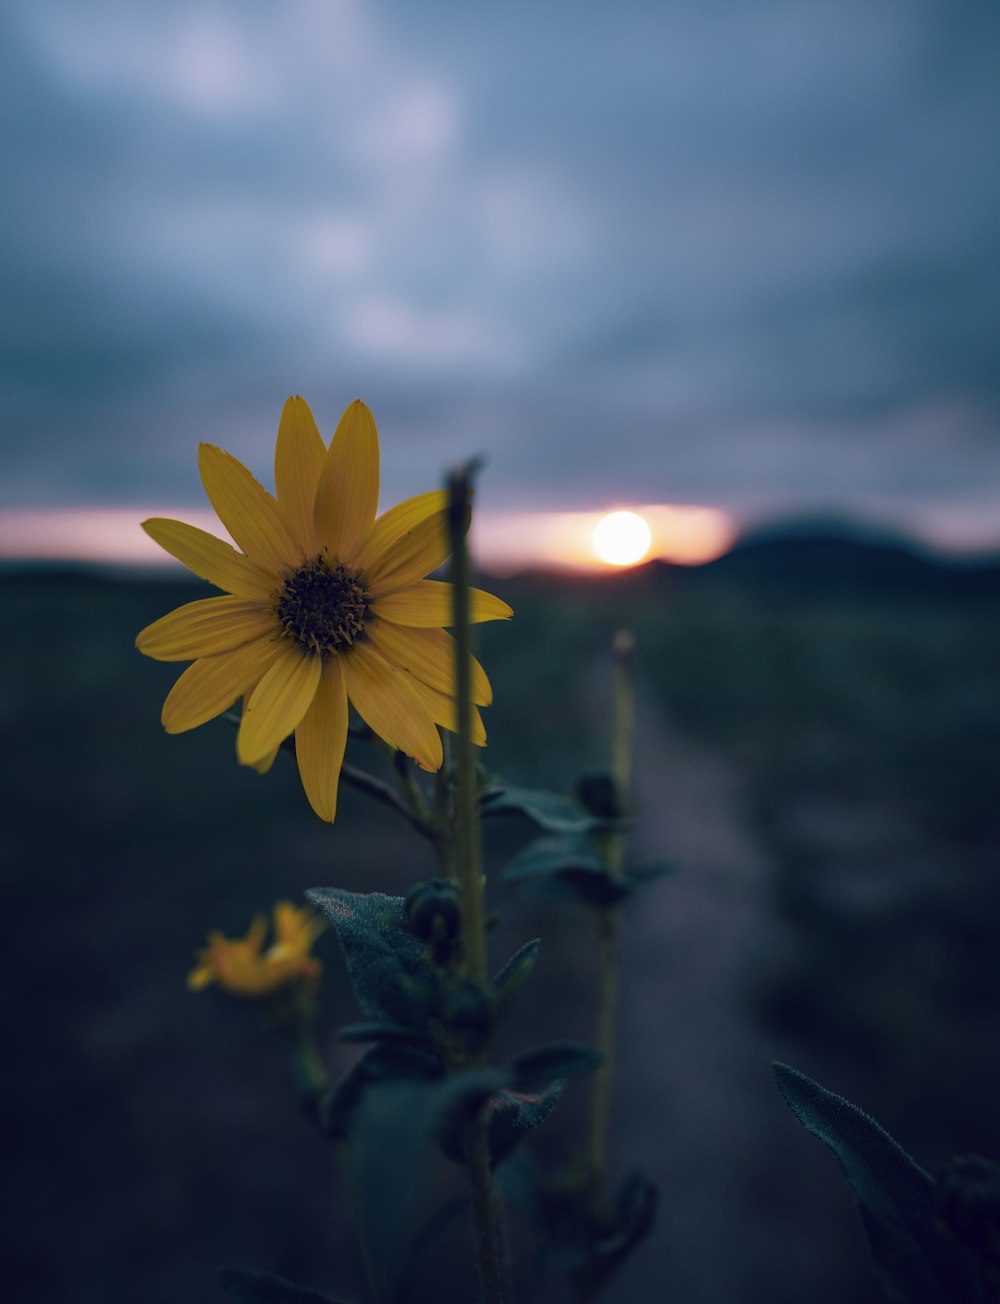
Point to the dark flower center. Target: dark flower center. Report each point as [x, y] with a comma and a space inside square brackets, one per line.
[322, 606]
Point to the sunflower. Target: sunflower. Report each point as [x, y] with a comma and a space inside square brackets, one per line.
[327, 604]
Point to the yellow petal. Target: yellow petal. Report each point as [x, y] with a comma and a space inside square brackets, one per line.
[320, 740]
[247, 510]
[264, 764]
[392, 526]
[213, 684]
[298, 460]
[205, 628]
[429, 655]
[200, 977]
[211, 559]
[278, 703]
[347, 494]
[420, 551]
[444, 710]
[426, 604]
[387, 703]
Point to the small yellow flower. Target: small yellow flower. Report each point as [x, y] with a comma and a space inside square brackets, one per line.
[241, 967]
[325, 605]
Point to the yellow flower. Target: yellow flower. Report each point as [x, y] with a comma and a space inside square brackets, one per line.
[325, 605]
[240, 966]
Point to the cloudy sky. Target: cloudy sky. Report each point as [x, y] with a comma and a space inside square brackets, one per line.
[722, 252]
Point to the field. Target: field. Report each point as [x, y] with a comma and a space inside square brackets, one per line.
[817, 750]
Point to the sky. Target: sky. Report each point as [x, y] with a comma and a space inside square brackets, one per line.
[725, 254]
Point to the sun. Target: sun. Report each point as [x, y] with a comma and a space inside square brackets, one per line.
[621, 538]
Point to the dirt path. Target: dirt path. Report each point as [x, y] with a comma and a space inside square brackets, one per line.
[750, 1208]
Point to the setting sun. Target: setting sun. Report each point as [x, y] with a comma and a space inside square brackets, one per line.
[622, 538]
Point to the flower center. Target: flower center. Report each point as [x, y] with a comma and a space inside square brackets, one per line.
[323, 607]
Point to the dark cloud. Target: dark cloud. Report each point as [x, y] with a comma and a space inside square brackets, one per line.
[744, 253]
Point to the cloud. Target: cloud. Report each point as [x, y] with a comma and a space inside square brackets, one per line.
[741, 252]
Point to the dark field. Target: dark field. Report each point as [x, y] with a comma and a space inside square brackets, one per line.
[818, 750]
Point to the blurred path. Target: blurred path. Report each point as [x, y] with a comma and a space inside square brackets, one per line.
[750, 1209]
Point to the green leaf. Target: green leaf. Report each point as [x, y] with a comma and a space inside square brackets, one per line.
[390, 977]
[382, 1032]
[385, 1062]
[264, 1288]
[510, 1113]
[516, 1113]
[393, 1158]
[551, 811]
[544, 1064]
[514, 974]
[896, 1195]
[569, 866]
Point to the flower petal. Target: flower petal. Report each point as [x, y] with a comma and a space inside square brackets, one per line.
[392, 525]
[386, 701]
[427, 604]
[211, 559]
[320, 740]
[205, 628]
[298, 460]
[278, 703]
[213, 684]
[429, 655]
[347, 493]
[264, 764]
[247, 510]
[444, 710]
[414, 554]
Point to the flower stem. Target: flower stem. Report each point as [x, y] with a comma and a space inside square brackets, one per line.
[467, 842]
[609, 921]
[468, 857]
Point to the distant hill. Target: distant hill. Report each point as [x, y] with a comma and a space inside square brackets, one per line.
[825, 557]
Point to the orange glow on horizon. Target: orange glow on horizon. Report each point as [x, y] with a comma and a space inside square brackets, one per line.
[504, 542]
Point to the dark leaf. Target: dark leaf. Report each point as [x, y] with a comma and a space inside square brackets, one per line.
[514, 974]
[385, 1062]
[393, 1156]
[382, 1032]
[568, 866]
[559, 1059]
[550, 811]
[895, 1194]
[552, 856]
[510, 1114]
[390, 977]
[265, 1288]
[513, 1114]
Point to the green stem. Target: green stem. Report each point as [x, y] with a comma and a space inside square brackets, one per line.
[467, 843]
[609, 920]
[468, 856]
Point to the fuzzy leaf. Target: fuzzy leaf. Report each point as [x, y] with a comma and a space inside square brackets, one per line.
[510, 1113]
[389, 975]
[264, 1288]
[550, 811]
[896, 1195]
[559, 1059]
